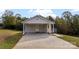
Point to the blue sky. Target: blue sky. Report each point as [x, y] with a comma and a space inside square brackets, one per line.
[44, 12]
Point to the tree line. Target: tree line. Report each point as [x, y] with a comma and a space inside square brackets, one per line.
[11, 21]
[67, 23]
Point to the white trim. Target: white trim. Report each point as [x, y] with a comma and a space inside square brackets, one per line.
[49, 29]
[23, 29]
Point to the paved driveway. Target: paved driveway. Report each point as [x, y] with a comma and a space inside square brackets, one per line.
[42, 41]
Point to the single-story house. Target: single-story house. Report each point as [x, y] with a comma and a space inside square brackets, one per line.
[38, 24]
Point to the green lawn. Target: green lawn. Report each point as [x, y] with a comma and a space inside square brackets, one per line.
[9, 38]
[72, 39]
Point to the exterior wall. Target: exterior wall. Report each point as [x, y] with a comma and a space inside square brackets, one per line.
[52, 28]
[49, 29]
[35, 28]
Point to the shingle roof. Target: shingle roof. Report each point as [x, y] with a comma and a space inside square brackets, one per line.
[38, 19]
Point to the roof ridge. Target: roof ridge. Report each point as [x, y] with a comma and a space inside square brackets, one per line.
[38, 16]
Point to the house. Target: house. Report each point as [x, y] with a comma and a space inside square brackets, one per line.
[38, 24]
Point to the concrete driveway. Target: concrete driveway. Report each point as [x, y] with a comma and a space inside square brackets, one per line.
[37, 41]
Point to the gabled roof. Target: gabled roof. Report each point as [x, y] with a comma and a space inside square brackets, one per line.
[38, 19]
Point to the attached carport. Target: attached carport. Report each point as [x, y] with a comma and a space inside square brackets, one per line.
[35, 28]
[38, 24]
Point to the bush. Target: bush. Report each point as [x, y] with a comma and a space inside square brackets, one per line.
[19, 26]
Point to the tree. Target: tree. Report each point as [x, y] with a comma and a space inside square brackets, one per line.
[50, 18]
[24, 18]
[61, 25]
[76, 24]
[18, 15]
[67, 16]
[10, 22]
[7, 13]
[19, 25]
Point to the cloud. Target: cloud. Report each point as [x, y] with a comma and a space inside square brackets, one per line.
[75, 10]
[43, 12]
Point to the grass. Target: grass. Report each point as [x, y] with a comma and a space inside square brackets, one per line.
[72, 39]
[9, 38]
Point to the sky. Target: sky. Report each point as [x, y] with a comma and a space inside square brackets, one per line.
[44, 12]
[30, 8]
